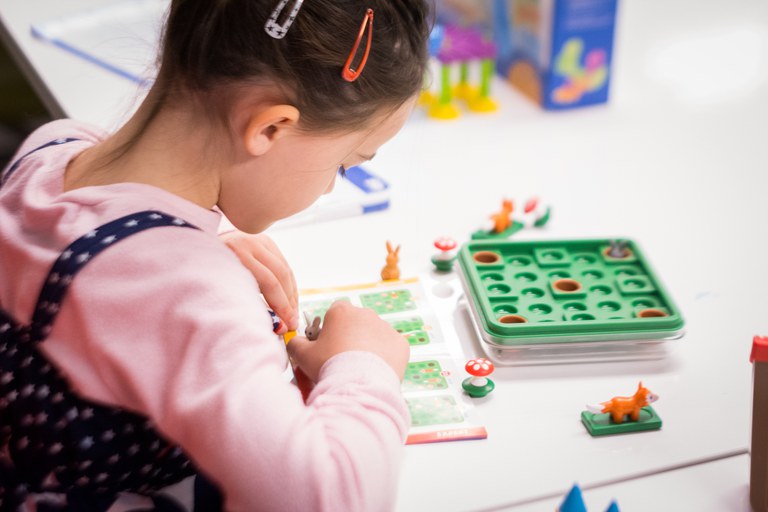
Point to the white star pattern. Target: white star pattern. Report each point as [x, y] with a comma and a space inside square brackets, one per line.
[51, 410]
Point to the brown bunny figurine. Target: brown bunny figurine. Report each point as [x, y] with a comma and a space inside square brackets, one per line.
[313, 327]
[391, 271]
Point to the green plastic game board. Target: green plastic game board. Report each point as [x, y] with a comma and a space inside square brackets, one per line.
[544, 292]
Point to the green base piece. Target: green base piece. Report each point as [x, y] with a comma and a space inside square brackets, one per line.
[477, 391]
[491, 235]
[442, 264]
[542, 221]
[603, 425]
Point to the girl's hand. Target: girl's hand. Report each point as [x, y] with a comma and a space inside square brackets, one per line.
[260, 255]
[347, 327]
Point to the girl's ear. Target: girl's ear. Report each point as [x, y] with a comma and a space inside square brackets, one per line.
[265, 126]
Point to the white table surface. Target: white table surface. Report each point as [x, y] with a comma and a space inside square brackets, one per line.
[718, 486]
[677, 161]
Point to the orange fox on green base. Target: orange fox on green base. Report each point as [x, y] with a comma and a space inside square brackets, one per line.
[621, 406]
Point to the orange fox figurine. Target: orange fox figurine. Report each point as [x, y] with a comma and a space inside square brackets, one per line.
[503, 219]
[620, 406]
[391, 270]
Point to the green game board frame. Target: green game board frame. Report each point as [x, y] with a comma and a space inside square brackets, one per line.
[496, 288]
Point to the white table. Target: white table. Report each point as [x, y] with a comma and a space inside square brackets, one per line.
[677, 161]
[716, 486]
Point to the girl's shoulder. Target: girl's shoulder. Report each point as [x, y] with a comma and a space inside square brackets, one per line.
[60, 129]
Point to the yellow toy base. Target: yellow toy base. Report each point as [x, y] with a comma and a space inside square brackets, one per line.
[482, 104]
[464, 92]
[426, 98]
[446, 111]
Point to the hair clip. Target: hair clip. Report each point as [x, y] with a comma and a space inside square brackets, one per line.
[349, 74]
[273, 28]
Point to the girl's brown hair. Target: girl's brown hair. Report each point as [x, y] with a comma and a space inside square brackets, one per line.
[211, 44]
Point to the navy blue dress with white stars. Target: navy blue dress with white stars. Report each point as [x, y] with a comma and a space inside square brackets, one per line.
[71, 453]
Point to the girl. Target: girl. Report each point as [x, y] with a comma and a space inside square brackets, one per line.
[130, 370]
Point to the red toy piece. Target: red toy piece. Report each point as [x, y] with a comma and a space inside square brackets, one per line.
[478, 385]
[447, 255]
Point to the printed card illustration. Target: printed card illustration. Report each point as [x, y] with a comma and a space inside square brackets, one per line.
[432, 382]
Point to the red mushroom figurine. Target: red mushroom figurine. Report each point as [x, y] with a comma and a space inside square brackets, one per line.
[478, 385]
[445, 258]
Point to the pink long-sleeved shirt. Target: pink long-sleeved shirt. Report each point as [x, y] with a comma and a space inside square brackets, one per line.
[169, 324]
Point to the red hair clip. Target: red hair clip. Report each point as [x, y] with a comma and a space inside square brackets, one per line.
[349, 74]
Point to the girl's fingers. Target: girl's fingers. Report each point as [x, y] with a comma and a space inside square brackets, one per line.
[273, 291]
[273, 274]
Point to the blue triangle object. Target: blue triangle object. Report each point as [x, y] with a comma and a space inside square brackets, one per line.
[613, 507]
[574, 501]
